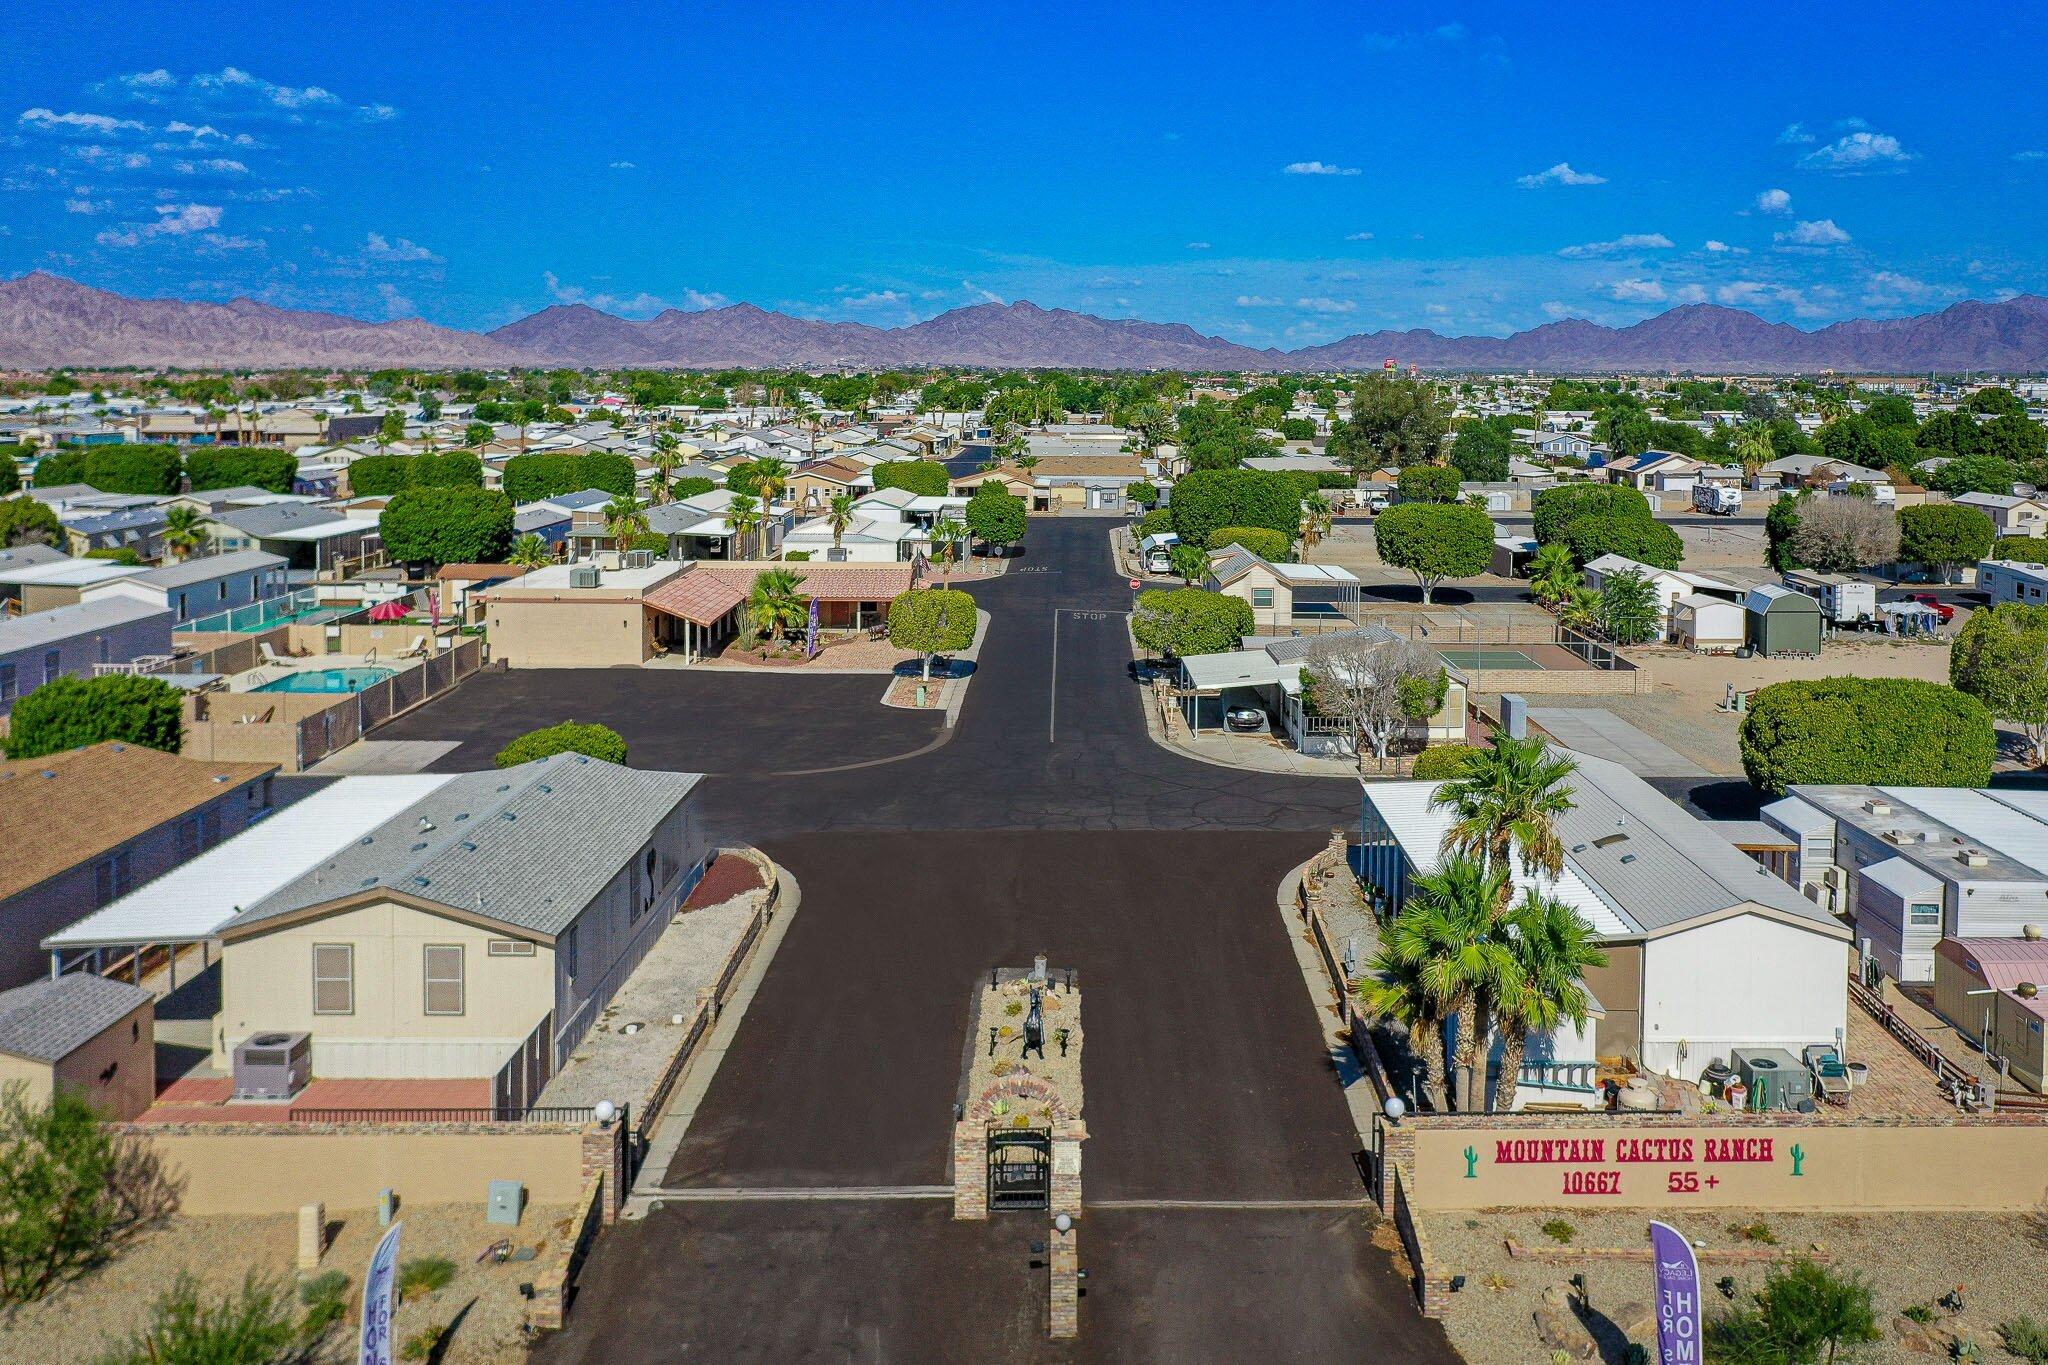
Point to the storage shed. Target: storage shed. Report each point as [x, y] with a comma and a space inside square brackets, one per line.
[1782, 621]
[1707, 625]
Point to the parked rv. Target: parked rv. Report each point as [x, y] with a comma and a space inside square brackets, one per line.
[1843, 601]
[1716, 499]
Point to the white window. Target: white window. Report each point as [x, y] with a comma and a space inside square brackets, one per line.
[1926, 916]
[1262, 597]
[443, 967]
[334, 978]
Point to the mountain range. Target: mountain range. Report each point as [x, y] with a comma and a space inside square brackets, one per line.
[47, 321]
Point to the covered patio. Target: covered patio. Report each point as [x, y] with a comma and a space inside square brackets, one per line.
[694, 612]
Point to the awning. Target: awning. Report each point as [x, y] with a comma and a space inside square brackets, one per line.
[696, 597]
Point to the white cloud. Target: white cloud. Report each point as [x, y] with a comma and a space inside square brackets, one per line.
[233, 78]
[1743, 293]
[1453, 32]
[1560, 174]
[1554, 309]
[1890, 287]
[621, 166]
[376, 247]
[628, 304]
[1818, 232]
[1316, 168]
[1858, 152]
[1774, 201]
[1358, 237]
[173, 220]
[2030, 154]
[98, 125]
[877, 298]
[236, 89]
[396, 304]
[1795, 135]
[1198, 246]
[219, 241]
[87, 206]
[1628, 241]
[1326, 305]
[149, 86]
[1258, 301]
[985, 295]
[1720, 248]
[1689, 293]
[1637, 291]
[107, 158]
[213, 165]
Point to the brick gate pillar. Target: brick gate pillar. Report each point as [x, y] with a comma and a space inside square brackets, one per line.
[970, 1170]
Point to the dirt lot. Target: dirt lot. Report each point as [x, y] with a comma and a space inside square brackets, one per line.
[1907, 1258]
[96, 1312]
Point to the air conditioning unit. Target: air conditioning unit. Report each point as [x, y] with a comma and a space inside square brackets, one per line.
[273, 1066]
[639, 559]
[584, 576]
[1832, 878]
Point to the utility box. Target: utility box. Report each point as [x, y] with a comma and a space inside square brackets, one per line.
[507, 1202]
[1776, 1079]
[272, 1066]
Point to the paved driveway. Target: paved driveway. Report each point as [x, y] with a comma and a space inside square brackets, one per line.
[1603, 734]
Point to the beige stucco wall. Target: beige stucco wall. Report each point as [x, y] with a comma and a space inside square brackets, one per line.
[1750, 1165]
[128, 1050]
[580, 632]
[267, 983]
[275, 1169]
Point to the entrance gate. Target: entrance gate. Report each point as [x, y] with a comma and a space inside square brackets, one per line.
[1019, 1168]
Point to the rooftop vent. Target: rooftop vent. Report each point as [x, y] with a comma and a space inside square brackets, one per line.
[1609, 840]
[2031, 932]
[1877, 807]
[1902, 836]
[1974, 857]
[2027, 990]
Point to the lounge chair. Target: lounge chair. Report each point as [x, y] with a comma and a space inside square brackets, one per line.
[416, 650]
[270, 656]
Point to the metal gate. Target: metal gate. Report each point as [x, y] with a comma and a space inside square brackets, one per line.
[1019, 1168]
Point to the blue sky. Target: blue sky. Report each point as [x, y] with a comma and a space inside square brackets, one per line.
[1282, 176]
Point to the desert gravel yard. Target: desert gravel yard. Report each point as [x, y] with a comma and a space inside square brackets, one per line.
[1908, 1259]
[98, 1311]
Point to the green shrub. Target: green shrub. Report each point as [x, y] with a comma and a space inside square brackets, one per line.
[2025, 1338]
[1887, 732]
[1190, 621]
[117, 554]
[926, 478]
[1158, 522]
[424, 1275]
[648, 540]
[597, 741]
[1637, 538]
[1917, 1312]
[67, 713]
[1803, 1314]
[329, 1284]
[1441, 762]
[251, 1326]
[1759, 1232]
[1555, 507]
[447, 526]
[1209, 498]
[1428, 483]
[233, 467]
[798, 556]
[1559, 1231]
[421, 1345]
[2025, 549]
[1271, 546]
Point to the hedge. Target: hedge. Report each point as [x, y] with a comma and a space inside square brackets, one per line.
[926, 478]
[1440, 762]
[232, 467]
[69, 712]
[447, 526]
[598, 741]
[153, 470]
[531, 478]
[1190, 621]
[1554, 507]
[1270, 546]
[1637, 538]
[1212, 498]
[1888, 732]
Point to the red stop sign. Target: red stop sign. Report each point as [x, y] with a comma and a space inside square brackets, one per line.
[1135, 585]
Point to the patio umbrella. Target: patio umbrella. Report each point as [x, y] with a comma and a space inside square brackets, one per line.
[394, 610]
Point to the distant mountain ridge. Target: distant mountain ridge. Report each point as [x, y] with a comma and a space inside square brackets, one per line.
[47, 321]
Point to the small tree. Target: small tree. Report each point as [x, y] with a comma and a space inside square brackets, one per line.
[256, 1323]
[1942, 536]
[1428, 483]
[1630, 612]
[1374, 686]
[926, 478]
[66, 713]
[1553, 574]
[24, 521]
[1435, 542]
[2000, 657]
[932, 621]
[58, 1165]
[778, 608]
[1638, 538]
[1842, 535]
[1781, 532]
[996, 517]
[1188, 562]
[596, 741]
[531, 551]
[1804, 1315]
[1191, 621]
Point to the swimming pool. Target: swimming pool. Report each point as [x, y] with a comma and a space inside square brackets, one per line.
[328, 680]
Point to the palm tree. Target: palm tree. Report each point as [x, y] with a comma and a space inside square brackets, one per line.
[1448, 936]
[1316, 519]
[839, 516]
[947, 537]
[1542, 984]
[746, 518]
[624, 517]
[776, 605]
[1393, 989]
[1504, 809]
[530, 552]
[184, 530]
[1579, 609]
[771, 476]
[665, 459]
[1831, 406]
[1553, 573]
[1753, 448]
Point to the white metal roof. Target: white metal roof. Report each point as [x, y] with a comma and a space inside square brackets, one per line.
[194, 900]
[1982, 819]
[1419, 828]
[70, 573]
[1903, 878]
[326, 530]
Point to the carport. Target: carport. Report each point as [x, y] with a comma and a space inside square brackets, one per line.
[694, 612]
[1210, 684]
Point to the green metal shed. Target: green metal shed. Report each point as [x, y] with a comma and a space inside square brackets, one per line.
[1781, 621]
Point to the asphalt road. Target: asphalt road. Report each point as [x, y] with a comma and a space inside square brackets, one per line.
[1046, 821]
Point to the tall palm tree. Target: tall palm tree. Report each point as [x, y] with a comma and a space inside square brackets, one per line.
[776, 605]
[839, 516]
[771, 476]
[530, 552]
[1831, 406]
[1542, 984]
[746, 518]
[1753, 448]
[665, 459]
[1393, 989]
[184, 530]
[1317, 518]
[1448, 935]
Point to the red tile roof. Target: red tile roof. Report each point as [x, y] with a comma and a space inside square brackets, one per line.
[827, 582]
[696, 597]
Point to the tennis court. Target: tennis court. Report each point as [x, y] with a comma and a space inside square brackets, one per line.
[1489, 658]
